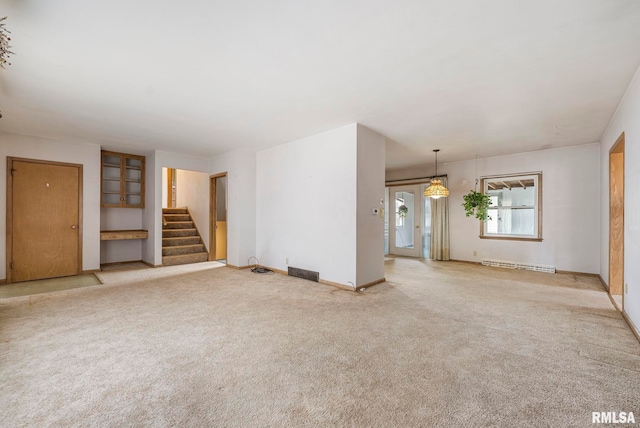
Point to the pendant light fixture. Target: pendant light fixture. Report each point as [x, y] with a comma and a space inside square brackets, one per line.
[436, 189]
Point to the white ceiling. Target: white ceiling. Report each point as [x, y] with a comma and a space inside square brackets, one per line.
[204, 77]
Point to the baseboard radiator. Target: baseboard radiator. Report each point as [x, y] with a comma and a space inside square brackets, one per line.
[304, 274]
[518, 265]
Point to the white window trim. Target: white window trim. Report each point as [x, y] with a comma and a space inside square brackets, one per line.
[537, 236]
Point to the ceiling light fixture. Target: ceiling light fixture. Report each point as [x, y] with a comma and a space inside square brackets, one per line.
[436, 189]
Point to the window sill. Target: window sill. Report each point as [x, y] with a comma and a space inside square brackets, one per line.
[511, 238]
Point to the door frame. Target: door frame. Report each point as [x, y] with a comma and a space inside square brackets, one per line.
[213, 214]
[417, 220]
[616, 149]
[10, 169]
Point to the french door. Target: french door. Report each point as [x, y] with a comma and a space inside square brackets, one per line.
[405, 219]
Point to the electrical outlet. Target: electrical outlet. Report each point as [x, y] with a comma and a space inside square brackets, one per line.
[626, 288]
[475, 253]
[286, 261]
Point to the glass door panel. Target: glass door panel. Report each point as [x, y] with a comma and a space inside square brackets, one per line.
[405, 218]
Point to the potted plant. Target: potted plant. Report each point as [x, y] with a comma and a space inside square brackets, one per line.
[476, 203]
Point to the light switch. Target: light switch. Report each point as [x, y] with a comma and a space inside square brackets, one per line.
[375, 211]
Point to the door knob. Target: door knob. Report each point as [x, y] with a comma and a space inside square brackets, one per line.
[74, 226]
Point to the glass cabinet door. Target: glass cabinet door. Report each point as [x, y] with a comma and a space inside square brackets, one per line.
[122, 181]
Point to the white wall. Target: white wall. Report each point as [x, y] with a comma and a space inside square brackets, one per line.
[152, 217]
[306, 205]
[571, 213]
[627, 120]
[240, 166]
[193, 192]
[370, 190]
[165, 185]
[149, 219]
[43, 149]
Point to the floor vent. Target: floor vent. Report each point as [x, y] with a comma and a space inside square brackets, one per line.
[304, 274]
[516, 265]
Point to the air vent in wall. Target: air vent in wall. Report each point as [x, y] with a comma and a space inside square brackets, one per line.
[304, 274]
[517, 265]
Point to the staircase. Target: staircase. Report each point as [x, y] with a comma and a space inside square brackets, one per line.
[181, 243]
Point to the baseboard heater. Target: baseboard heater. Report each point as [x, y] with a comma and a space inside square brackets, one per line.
[304, 274]
[517, 265]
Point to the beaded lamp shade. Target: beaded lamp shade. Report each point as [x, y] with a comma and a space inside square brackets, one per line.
[436, 189]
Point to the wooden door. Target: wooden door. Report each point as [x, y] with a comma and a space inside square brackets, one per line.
[218, 217]
[43, 219]
[171, 187]
[616, 218]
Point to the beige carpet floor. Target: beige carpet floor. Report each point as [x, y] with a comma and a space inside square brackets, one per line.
[438, 345]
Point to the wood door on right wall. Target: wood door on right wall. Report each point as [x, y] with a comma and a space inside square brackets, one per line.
[616, 218]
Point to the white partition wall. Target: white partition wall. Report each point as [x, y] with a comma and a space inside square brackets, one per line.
[314, 205]
[240, 166]
[306, 205]
[370, 191]
[627, 120]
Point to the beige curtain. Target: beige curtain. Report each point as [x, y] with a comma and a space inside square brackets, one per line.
[440, 227]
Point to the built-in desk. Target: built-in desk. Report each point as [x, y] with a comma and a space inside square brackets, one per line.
[116, 235]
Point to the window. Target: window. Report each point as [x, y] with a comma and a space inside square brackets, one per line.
[515, 211]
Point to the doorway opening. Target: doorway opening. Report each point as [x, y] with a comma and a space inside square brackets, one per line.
[616, 222]
[44, 219]
[185, 208]
[218, 218]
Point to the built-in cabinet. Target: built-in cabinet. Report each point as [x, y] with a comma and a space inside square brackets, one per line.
[122, 180]
[122, 186]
